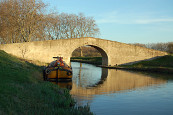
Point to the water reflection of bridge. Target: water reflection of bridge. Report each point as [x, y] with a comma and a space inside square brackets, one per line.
[117, 81]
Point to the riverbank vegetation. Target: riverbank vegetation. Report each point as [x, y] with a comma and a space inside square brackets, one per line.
[87, 54]
[166, 47]
[160, 65]
[22, 91]
[87, 51]
[89, 60]
[162, 62]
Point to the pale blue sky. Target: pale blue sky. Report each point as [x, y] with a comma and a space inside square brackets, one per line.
[128, 21]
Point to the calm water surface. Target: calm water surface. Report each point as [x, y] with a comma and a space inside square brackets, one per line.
[117, 92]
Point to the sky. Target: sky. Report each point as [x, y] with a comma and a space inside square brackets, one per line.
[127, 21]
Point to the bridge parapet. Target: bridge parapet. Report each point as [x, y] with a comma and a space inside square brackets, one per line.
[113, 52]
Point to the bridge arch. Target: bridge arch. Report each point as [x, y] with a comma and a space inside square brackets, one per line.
[101, 51]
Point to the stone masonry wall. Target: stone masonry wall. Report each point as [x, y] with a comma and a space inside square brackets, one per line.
[113, 52]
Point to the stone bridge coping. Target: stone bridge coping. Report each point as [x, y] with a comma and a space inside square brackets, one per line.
[112, 52]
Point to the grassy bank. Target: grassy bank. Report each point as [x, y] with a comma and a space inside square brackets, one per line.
[160, 65]
[90, 60]
[22, 91]
[162, 62]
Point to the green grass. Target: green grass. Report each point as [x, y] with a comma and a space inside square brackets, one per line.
[164, 62]
[22, 91]
[92, 60]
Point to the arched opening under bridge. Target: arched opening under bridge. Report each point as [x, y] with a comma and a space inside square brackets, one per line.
[90, 52]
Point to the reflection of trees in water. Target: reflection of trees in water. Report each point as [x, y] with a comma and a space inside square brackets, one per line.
[117, 81]
[112, 81]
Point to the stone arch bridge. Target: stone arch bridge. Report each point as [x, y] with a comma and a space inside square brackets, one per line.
[112, 52]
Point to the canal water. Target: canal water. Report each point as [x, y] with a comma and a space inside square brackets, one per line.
[117, 92]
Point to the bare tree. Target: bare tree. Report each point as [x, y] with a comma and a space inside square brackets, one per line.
[31, 20]
[23, 50]
[50, 28]
[73, 26]
[87, 52]
[158, 46]
[170, 48]
[21, 20]
[139, 44]
[24, 21]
